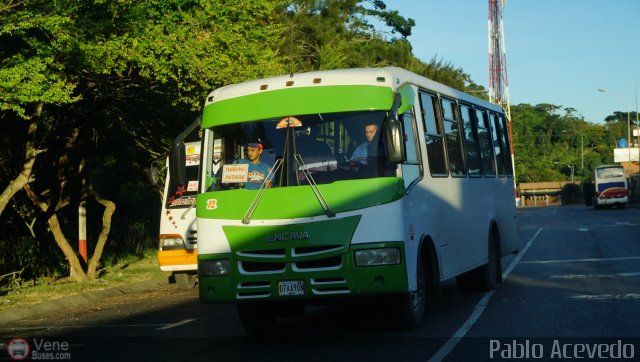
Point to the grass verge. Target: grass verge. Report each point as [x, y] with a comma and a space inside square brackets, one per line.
[125, 271]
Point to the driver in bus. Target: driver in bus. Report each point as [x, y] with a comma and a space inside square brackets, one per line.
[258, 170]
[371, 147]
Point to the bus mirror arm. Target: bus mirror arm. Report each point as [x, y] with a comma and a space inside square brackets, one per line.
[177, 167]
[392, 132]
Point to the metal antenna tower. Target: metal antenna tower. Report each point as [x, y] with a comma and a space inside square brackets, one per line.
[498, 80]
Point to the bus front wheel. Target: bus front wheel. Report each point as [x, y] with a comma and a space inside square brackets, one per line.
[411, 306]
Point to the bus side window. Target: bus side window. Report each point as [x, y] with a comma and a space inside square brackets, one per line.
[412, 167]
[471, 148]
[498, 144]
[484, 138]
[452, 140]
[507, 144]
[433, 136]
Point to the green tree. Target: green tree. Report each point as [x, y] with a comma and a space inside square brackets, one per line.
[135, 72]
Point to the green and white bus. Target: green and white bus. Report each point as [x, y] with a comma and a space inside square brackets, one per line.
[431, 201]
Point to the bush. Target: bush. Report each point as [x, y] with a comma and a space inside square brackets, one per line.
[571, 194]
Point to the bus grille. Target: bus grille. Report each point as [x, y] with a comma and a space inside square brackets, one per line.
[253, 290]
[329, 286]
[261, 267]
[297, 260]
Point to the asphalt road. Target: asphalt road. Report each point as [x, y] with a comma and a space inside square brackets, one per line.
[574, 290]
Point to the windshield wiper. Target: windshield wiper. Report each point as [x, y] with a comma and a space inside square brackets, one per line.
[254, 204]
[314, 186]
[184, 214]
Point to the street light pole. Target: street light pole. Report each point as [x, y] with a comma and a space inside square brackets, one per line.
[572, 167]
[628, 123]
[581, 147]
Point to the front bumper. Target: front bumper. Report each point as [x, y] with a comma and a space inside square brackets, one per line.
[325, 273]
[178, 260]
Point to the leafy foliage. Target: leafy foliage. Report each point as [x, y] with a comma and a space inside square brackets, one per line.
[547, 138]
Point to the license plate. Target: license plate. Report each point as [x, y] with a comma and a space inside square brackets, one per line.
[291, 287]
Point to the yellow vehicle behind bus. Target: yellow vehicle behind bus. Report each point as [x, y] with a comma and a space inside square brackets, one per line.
[178, 241]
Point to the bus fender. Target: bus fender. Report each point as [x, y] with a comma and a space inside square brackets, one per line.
[427, 253]
[494, 230]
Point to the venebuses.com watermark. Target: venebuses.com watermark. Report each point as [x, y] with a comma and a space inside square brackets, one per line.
[561, 349]
[20, 349]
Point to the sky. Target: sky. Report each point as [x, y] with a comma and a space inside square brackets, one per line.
[558, 51]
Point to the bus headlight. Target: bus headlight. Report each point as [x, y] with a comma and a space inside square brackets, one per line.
[171, 242]
[216, 267]
[373, 257]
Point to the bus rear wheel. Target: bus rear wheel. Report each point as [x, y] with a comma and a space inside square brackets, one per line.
[485, 277]
[490, 274]
[256, 318]
[595, 204]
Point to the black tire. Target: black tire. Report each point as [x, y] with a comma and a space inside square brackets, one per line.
[490, 274]
[485, 277]
[256, 318]
[186, 280]
[411, 307]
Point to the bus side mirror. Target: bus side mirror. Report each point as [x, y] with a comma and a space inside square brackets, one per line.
[392, 133]
[393, 141]
[177, 167]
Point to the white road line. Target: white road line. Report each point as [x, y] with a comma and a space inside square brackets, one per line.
[168, 326]
[478, 309]
[585, 276]
[586, 260]
[606, 296]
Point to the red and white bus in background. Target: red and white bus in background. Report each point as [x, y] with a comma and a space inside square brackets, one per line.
[610, 186]
[178, 249]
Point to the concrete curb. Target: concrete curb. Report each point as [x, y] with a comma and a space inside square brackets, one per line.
[52, 306]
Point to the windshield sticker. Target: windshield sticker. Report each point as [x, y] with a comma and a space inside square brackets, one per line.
[184, 200]
[235, 173]
[289, 121]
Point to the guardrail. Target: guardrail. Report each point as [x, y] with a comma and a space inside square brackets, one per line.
[542, 193]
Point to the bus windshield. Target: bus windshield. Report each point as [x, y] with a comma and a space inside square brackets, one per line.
[326, 147]
[610, 172]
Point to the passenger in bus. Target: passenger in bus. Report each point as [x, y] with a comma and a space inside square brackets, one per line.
[258, 170]
[370, 147]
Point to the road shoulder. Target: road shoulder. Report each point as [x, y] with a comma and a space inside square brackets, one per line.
[51, 306]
